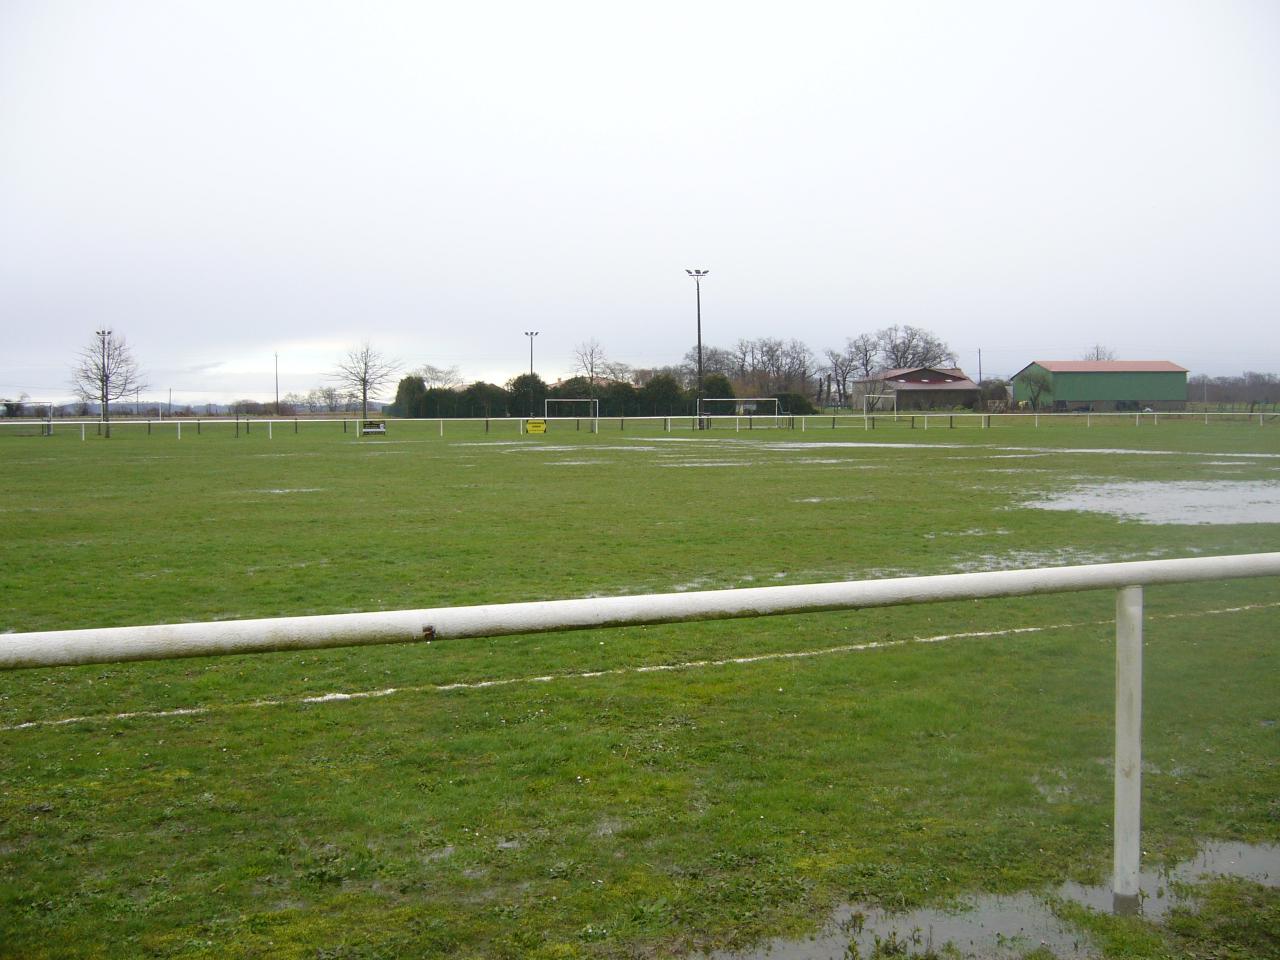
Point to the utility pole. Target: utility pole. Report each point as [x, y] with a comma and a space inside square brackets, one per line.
[277, 356]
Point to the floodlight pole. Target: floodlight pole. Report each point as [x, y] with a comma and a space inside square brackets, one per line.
[277, 356]
[697, 283]
[531, 334]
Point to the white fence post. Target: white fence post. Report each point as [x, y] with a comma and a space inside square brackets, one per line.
[1128, 759]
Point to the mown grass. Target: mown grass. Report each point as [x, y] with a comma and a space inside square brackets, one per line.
[633, 812]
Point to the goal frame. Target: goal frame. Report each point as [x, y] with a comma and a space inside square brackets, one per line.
[738, 411]
[868, 410]
[593, 415]
[40, 423]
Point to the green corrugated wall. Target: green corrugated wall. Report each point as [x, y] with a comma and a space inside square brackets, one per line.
[1104, 390]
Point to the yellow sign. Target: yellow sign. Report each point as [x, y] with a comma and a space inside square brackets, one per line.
[536, 426]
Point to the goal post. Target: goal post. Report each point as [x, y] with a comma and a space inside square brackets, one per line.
[27, 418]
[871, 403]
[581, 407]
[710, 408]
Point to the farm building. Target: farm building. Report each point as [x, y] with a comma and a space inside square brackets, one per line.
[915, 388]
[1101, 385]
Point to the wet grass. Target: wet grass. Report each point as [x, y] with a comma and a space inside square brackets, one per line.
[634, 813]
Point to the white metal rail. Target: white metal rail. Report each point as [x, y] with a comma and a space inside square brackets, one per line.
[666, 422]
[167, 641]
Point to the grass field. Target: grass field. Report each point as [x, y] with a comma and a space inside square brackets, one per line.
[556, 796]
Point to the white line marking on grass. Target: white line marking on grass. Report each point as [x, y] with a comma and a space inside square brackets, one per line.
[338, 696]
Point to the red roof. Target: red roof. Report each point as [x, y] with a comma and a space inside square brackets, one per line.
[903, 371]
[1110, 366]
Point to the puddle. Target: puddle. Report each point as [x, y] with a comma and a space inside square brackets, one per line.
[847, 464]
[1259, 863]
[1175, 502]
[710, 463]
[1009, 927]
[536, 447]
[1022, 559]
[990, 928]
[855, 445]
[972, 532]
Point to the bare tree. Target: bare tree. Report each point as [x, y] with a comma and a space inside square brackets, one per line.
[589, 360]
[863, 356]
[1099, 352]
[908, 346]
[106, 371]
[364, 371]
[439, 377]
[839, 369]
[617, 370]
[797, 367]
[1037, 383]
[714, 360]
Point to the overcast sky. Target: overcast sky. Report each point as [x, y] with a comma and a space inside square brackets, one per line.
[222, 181]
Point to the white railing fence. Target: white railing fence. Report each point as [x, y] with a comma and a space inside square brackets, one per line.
[919, 419]
[169, 641]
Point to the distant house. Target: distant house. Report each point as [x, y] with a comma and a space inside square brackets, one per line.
[1101, 385]
[915, 388]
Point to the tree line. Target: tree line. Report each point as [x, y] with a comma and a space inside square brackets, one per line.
[1251, 389]
[106, 372]
[786, 369]
[661, 395]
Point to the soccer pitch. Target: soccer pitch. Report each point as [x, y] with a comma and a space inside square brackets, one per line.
[653, 791]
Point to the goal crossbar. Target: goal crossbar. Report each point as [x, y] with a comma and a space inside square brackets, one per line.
[593, 410]
[742, 406]
[869, 407]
